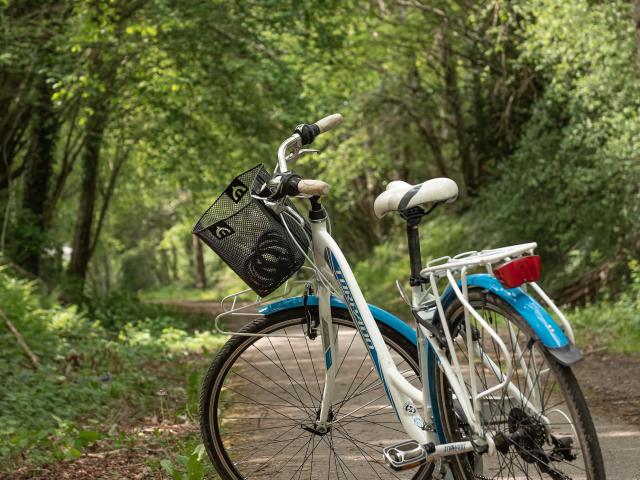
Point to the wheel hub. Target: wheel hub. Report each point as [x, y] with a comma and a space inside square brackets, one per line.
[316, 428]
[527, 433]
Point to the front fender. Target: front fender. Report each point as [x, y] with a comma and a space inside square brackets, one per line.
[378, 313]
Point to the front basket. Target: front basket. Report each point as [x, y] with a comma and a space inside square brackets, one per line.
[250, 237]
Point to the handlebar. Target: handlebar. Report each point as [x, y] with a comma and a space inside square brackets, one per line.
[292, 185]
[308, 133]
[303, 135]
[328, 123]
[290, 149]
[315, 188]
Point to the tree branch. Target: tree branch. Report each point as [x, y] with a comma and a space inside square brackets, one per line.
[5, 179]
[120, 159]
[20, 340]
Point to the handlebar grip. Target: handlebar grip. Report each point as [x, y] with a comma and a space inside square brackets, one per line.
[327, 123]
[315, 188]
[309, 132]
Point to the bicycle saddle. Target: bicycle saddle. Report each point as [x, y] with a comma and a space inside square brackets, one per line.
[400, 195]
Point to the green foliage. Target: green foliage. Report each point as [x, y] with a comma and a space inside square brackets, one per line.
[186, 467]
[137, 269]
[572, 183]
[532, 106]
[86, 370]
[613, 324]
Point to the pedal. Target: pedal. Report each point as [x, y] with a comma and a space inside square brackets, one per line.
[405, 455]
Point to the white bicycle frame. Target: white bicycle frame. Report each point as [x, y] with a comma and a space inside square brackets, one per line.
[403, 396]
[407, 401]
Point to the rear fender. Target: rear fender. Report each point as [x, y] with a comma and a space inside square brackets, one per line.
[543, 325]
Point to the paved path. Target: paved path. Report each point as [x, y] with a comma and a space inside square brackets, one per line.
[612, 387]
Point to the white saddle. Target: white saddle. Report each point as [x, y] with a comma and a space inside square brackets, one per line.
[400, 195]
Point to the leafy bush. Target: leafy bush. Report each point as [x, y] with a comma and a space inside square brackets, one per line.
[572, 183]
[121, 307]
[186, 467]
[613, 324]
[85, 369]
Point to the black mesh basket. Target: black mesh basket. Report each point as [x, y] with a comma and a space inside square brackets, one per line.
[250, 237]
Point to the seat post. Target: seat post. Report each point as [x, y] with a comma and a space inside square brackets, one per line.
[413, 216]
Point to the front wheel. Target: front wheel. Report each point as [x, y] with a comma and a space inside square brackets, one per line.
[261, 396]
[542, 427]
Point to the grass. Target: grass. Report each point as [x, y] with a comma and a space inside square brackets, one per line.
[117, 376]
[170, 293]
[612, 324]
[223, 283]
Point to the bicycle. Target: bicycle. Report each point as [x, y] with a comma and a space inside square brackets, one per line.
[323, 385]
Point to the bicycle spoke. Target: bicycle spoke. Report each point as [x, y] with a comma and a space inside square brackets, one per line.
[291, 379]
[274, 455]
[538, 392]
[275, 383]
[269, 408]
[273, 404]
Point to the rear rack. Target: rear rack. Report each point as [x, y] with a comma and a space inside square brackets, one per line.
[463, 262]
[455, 269]
[483, 258]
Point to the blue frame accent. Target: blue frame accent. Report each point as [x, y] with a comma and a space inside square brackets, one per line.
[378, 313]
[543, 325]
[432, 364]
[327, 359]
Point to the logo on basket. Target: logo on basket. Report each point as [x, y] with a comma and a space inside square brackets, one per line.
[221, 230]
[236, 190]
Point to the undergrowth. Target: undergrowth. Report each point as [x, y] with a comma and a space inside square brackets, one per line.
[101, 370]
[612, 324]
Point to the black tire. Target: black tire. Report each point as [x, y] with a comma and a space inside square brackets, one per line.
[212, 415]
[576, 407]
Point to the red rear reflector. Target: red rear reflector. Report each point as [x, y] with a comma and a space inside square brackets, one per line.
[516, 272]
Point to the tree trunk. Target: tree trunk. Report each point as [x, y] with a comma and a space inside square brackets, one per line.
[454, 101]
[81, 254]
[107, 273]
[15, 118]
[636, 19]
[424, 123]
[174, 264]
[163, 268]
[201, 281]
[429, 133]
[36, 181]
[111, 186]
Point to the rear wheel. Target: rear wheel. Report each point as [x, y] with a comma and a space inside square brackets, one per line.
[558, 443]
[261, 395]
